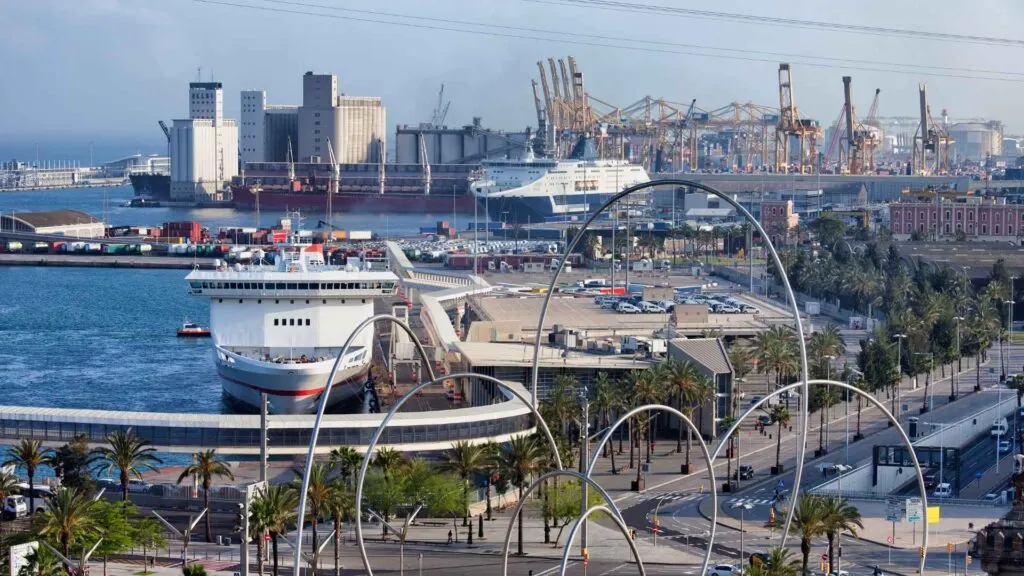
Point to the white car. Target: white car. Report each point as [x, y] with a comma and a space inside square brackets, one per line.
[726, 309]
[15, 506]
[626, 308]
[1004, 446]
[136, 485]
[650, 308]
[723, 570]
[944, 490]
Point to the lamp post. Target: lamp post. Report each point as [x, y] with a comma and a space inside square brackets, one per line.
[828, 408]
[927, 403]
[841, 469]
[954, 386]
[743, 507]
[899, 370]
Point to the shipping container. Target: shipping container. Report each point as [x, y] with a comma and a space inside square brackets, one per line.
[360, 235]
[13, 246]
[115, 249]
[40, 247]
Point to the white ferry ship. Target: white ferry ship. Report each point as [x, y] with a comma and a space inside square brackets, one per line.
[543, 189]
[279, 328]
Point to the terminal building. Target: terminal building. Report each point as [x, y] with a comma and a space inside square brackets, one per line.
[71, 223]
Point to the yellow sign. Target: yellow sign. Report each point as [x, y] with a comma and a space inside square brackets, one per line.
[933, 514]
[949, 546]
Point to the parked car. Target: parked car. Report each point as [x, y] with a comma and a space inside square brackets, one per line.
[931, 480]
[748, 309]
[944, 490]
[136, 485]
[626, 308]
[745, 472]
[723, 570]
[726, 309]
[650, 308]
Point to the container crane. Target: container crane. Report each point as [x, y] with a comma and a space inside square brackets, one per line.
[791, 125]
[552, 121]
[542, 120]
[332, 188]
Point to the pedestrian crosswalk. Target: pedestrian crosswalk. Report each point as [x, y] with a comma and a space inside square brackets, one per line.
[676, 496]
[753, 501]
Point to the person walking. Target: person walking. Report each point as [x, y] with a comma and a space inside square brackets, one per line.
[449, 536]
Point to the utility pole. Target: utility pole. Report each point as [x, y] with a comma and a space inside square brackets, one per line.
[584, 459]
[264, 441]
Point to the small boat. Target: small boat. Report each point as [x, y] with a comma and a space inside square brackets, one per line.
[193, 330]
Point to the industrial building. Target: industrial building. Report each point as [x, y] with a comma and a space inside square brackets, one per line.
[136, 164]
[466, 145]
[975, 141]
[711, 359]
[267, 131]
[356, 127]
[203, 147]
[70, 223]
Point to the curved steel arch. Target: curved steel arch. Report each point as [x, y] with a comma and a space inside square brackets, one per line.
[314, 435]
[872, 400]
[804, 413]
[361, 477]
[621, 526]
[703, 446]
[614, 510]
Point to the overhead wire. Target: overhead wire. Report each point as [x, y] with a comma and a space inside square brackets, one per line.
[649, 46]
[619, 5]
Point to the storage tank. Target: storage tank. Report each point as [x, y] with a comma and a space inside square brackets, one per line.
[976, 140]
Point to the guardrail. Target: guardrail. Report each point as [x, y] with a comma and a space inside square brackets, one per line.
[877, 497]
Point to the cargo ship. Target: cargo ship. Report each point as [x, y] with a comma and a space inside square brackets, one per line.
[355, 187]
[151, 186]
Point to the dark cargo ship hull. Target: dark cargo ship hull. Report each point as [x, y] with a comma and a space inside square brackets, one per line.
[393, 202]
[151, 186]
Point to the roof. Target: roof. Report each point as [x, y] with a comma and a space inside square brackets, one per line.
[709, 352]
[710, 212]
[55, 218]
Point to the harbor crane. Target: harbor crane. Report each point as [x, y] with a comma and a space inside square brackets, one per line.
[167, 131]
[790, 126]
[441, 111]
[332, 188]
[930, 137]
[542, 120]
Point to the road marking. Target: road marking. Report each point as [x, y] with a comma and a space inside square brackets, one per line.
[556, 568]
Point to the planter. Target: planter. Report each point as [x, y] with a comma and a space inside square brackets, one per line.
[684, 468]
[923, 409]
[636, 485]
[727, 487]
[857, 437]
[776, 470]
[952, 397]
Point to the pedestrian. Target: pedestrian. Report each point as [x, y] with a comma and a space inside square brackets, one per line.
[449, 536]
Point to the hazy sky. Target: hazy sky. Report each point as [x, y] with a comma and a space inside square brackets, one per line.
[99, 68]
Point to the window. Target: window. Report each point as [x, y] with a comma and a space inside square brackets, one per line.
[997, 228]
[984, 229]
[1009, 230]
[275, 321]
[307, 321]
[970, 216]
[291, 321]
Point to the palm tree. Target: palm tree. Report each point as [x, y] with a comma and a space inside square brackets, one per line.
[809, 521]
[742, 360]
[683, 376]
[347, 460]
[604, 399]
[838, 516]
[205, 465]
[389, 460]
[69, 519]
[318, 494]
[341, 506]
[260, 515]
[30, 455]
[129, 454]
[280, 505]
[41, 562]
[521, 457]
[702, 392]
[780, 415]
[491, 471]
[725, 424]
[464, 459]
[780, 564]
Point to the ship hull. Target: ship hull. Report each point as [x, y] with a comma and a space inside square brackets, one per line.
[539, 208]
[290, 388]
[151, 186]
[391, 202]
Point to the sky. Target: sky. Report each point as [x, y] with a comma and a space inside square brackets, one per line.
[109, 69]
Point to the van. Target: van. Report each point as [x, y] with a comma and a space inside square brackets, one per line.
[15, 506]
[999, 427]
[944, 490]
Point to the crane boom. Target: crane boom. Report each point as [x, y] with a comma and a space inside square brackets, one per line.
[335, 181]
[163, 127]
[425, 161]
[547, 97]
[566, 82]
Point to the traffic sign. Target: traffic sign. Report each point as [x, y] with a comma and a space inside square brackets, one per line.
[824, 557]
[915, 510]
[781, 484]
[889, 539]
[894, 509]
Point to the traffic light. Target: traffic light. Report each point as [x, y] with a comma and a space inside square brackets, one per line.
[586, 556]
[239, 518]
[949, 546]
[920, 551]
[968, 559]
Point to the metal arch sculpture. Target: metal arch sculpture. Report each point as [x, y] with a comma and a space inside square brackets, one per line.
[618, 523]
[614, 510]
[323, 406]
[871, 400]
[703, 446]
[361, 477]
[791, 297]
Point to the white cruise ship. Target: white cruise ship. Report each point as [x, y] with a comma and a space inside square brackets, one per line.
[279, 328]
[543, 189]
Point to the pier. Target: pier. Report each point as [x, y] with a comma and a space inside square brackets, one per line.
[106, 261]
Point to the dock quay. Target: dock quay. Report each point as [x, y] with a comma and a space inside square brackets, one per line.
[105, 261]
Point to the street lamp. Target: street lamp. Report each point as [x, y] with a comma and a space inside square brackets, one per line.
[927, 402]
[828, 376]
[841, 469]
[1009, 336]
[954, 381]
[899, 371]
[743, 507]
